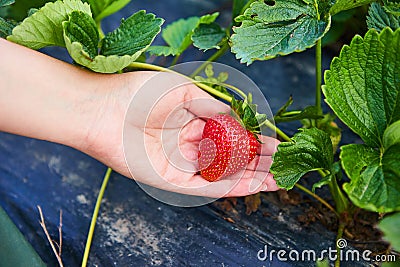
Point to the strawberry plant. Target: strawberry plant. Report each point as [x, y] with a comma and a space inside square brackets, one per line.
[361, 88]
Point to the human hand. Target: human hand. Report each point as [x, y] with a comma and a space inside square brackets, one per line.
[86, 111]
[156, 143]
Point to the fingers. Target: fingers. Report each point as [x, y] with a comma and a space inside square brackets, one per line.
[192, 131]
[249, 183]
[269, 145]
[201, 104]
[260, 163]
[252, 185]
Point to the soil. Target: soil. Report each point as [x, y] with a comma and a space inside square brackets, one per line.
[361, 231]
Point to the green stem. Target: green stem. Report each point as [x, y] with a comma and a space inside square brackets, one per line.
[234, 88]
[277, 130]
[339, 236]
[291, 113]
[341, 202]
[147, 66]
[212, 58]
[318, 74]
[100, 30]
[326, 204]
[94, 217]
[175, 60]
[203, 86]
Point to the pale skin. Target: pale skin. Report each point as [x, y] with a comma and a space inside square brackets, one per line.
[44, 98]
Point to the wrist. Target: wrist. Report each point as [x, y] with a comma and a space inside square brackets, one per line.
[102, 135]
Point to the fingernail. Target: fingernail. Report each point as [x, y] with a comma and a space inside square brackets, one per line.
[264, 187]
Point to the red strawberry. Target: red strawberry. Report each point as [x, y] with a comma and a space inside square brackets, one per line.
[226, 147]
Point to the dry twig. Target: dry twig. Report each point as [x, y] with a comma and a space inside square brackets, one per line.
[43, 225]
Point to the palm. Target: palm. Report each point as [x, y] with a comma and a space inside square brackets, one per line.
[161, 145]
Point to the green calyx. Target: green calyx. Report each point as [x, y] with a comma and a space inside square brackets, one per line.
[246, 113]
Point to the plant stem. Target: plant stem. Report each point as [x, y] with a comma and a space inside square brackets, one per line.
[212, 58]
[147, 66]
[203, 86]
[341, 202]
[100, 30]
[51, 242]
[94, 217]
[175, 60]
[326, 204]
[291, 113]
[339, 236]
[234, 88]
[318, 74]
[277, 130]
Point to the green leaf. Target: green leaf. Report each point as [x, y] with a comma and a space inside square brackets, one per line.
[119, 48]
[134, 35]
[341, 5]
[209, 71]
[310, 150]
[104, 8]
[160, 50]
[363, 89]
[392, 6]
[391, 136]
[391, 230]
[374, 177]
[15, 250]
[378, 18]
[208, 18]
[6, 2]
[208, 36]
[44, 27]
[5, 28]
[178, 35]
[20, 9]
[223, 76]
[363, 86]
[214, 82]
[82, 28]
[285, 27]
[100, 63]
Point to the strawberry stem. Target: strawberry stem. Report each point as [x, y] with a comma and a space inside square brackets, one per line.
[326, 204]
[214, 57]
[203, 86]
[234, 88]
[277, 130]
